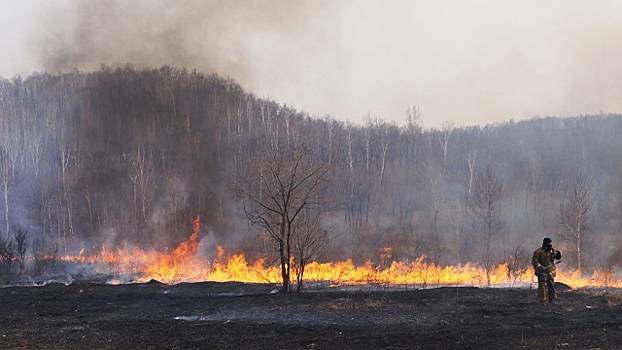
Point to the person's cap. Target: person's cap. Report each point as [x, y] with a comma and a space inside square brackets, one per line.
[547, 241]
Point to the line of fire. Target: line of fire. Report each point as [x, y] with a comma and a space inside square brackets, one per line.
[186, 264]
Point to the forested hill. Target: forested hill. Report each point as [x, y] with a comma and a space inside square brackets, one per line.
[126, 155]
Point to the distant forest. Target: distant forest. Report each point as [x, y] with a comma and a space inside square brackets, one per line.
[127, 156]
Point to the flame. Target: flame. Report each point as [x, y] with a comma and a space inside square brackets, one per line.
[186, 264]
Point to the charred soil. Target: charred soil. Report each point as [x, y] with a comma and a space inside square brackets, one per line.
[250, 316]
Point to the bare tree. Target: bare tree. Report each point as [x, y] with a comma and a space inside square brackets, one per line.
[385, 142]
[291, 182]
[446, 131]
[330, 127]
[471, 160]
[574, 213]
[140, 175]
[7, 257]
[517, 263]
[7, 174]
[437, 209]
[308, 242]
[21, 245]
[65, 156]
[485, 205]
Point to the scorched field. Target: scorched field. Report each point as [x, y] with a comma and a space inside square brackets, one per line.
[232, 315]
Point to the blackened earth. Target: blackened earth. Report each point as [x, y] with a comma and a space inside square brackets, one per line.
[250, 316]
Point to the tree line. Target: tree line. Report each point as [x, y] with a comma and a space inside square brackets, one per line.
[128, 156]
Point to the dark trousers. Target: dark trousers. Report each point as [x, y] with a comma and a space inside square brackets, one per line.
[546, 287]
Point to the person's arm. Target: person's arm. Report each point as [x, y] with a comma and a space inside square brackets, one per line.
[558, 255]
[535, 261]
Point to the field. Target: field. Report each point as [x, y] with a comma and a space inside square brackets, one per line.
[254, 316]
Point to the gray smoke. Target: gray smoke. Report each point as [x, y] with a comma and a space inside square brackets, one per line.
[470, 62]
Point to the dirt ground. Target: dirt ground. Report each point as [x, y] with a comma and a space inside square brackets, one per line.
[245, 316]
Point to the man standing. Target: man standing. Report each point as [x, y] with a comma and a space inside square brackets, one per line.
[543, 262]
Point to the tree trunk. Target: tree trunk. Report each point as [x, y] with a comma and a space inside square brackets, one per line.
[284, 274]
[300, 275]
[6, 208]
[579, 254]
[288, 255]
[385, 147]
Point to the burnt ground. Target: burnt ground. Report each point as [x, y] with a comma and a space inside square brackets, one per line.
[245, 316]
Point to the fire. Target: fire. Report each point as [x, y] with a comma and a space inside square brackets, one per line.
[185, 263]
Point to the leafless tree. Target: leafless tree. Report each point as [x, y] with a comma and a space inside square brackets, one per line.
[471, 160]
[330, 128]
[7, 257]
[517, 263]
[485, 205]
[140, 175]
[21, 245]
[446, 131]
[574, 213]
[308, 242]
[385, 142]
[7, 174]
[65, 212]
[436, 210]
[291, 182]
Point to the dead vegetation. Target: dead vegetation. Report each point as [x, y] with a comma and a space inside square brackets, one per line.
[249, 316]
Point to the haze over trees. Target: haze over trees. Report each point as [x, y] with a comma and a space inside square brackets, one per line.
[485, 204]
[126, 156]
[574, 213]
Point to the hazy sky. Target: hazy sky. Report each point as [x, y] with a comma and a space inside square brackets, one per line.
[469, 62]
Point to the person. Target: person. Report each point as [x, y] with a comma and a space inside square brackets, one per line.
[543, 262]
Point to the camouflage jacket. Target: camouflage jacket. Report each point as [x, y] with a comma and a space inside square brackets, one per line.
[543, 258]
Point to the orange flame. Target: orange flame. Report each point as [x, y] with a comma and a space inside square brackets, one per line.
[185, 264]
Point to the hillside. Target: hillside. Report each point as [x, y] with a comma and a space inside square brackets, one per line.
[132, 156]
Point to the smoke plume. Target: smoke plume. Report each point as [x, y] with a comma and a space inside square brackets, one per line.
[475, 62]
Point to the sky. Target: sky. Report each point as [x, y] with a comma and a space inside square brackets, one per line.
[464, 62]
